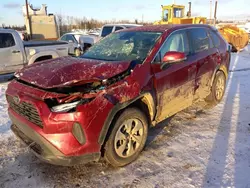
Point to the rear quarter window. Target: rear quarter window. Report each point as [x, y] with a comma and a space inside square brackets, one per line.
[6, 40]
[215, 38]
[117, 28]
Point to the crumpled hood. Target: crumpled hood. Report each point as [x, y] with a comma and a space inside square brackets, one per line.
[66, 71]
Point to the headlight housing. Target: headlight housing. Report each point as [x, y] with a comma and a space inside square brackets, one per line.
[32, 52]
[65, 107]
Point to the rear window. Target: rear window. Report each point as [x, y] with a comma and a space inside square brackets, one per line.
[200, 39]
[63, 38]
[106, 30]
[6, 40]
[69, 38]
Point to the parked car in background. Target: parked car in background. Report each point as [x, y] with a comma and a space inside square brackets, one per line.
[110, 28]
[16, 54]
[247, 29]
[78, 42]
[71, 111]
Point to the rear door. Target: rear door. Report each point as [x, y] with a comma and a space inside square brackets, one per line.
[175, 83]
[11, 58]
[205, 55]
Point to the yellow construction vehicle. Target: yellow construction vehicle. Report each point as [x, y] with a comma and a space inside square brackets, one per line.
[175, 14]
[235, 36]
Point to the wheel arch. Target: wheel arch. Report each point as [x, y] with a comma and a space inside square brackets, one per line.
[221, 68]
[144, 102]
[41, 54]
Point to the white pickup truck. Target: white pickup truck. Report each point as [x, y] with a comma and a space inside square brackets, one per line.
[15, 53]
[89, 40]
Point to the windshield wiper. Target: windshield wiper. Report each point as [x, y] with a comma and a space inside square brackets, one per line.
[99, 59]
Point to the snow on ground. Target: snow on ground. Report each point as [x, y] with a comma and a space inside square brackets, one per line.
[196, 148]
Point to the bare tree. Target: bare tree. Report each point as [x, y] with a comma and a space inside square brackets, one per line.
[67, 23]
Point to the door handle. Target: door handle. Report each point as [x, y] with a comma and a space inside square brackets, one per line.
[15, 51]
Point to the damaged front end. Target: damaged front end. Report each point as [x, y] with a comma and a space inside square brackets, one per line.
[72, 117]
[82, 92]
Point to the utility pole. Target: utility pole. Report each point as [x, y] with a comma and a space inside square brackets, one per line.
[28, 18]
[211, 4]
[215, 12]
[189, 9]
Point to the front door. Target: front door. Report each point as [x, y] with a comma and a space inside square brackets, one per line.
[175, 83]
[11, 58]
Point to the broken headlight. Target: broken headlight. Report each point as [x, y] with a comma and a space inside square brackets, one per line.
[65, 107]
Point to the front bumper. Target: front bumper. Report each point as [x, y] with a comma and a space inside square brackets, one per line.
[45, 150]
[58, 128]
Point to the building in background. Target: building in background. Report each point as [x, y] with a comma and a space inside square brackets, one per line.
[43, 25]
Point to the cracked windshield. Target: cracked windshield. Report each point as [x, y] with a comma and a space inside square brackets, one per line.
[123, 46]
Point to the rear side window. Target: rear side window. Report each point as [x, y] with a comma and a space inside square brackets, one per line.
[6, 40]
[106, 30]
[118, 28]
[70, 38]
[63, 38]
[215, 38]
[200, 39]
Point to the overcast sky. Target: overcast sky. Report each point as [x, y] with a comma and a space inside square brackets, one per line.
[11, 10]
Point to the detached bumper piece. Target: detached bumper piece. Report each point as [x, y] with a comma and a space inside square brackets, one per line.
[46, 151]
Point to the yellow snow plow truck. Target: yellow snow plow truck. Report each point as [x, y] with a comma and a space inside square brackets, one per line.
[175, 14]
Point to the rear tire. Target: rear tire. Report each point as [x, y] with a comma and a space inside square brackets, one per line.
[127, 138]
[218, 89]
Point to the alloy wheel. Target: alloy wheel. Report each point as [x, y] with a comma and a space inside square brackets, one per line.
[128, 138]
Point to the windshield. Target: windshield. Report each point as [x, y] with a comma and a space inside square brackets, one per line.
[178, 13]
[123, 46]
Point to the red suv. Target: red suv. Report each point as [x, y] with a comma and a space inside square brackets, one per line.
[74, 110]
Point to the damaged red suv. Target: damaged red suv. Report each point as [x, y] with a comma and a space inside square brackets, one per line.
[75, 110]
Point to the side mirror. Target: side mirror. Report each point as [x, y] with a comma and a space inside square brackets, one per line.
[173, 57]
[70, 41]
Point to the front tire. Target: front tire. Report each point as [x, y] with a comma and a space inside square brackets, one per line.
[77, 52]
[218, 89]
[127, 138]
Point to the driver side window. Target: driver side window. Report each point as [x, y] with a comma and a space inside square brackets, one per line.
[177, 42]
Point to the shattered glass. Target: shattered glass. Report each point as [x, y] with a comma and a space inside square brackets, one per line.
[123, 46]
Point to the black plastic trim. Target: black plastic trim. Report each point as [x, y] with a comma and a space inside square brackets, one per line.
[111, 116]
